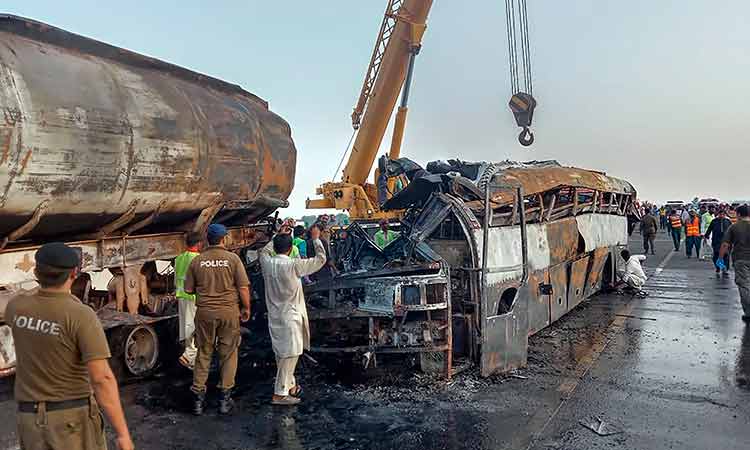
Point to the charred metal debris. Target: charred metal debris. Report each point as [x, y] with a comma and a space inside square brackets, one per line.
[488, 254]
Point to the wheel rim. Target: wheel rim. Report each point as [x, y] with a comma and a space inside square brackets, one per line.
[141, 350]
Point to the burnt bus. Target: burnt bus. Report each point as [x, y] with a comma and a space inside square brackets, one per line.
[488, 255]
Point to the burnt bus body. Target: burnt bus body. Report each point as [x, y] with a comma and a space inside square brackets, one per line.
[120, 155]
[488, 255]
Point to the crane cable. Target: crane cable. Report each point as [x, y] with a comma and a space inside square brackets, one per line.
[346, 151]
[522, 102]
[525, 46]
[517, 30]
[510, 28]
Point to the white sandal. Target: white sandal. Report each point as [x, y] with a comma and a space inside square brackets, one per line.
[287, 400]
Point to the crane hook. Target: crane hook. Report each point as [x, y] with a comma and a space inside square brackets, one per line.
[526, 137]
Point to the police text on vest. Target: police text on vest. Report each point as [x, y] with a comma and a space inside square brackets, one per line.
[215, 263]
[40, 326]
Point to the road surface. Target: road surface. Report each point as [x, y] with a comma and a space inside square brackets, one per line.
[668, 371]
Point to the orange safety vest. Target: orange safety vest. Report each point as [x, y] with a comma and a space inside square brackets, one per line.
[693, 227]
[675, 221]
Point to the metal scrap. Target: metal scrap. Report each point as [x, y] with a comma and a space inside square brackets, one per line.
[600, 427]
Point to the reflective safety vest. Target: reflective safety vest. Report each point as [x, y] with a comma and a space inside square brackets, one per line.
[301, 245]
[693, 227]
[675, 221]
[181, 265]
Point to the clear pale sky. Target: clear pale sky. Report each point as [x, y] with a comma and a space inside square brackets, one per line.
[655, 92]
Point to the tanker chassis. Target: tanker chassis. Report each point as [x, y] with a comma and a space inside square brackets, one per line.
[120, 155]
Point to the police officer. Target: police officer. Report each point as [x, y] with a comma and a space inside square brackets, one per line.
[62, 355]
[218, 278]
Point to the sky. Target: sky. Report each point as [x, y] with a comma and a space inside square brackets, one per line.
[655, 92]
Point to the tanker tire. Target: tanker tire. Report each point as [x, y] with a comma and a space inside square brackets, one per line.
[132, 365]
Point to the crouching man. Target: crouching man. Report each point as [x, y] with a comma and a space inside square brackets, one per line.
[633, 275]
[287, 312]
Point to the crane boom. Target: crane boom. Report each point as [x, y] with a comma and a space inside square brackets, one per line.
[400, 36]
[399, 40]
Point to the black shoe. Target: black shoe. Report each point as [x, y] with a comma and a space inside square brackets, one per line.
[199, 404]
[226, 404]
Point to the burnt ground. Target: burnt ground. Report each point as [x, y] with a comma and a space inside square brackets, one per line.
[668, 371]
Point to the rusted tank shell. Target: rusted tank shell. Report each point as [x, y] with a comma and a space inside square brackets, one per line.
[89, 132]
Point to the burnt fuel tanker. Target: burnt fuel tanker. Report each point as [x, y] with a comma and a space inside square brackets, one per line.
[95, 137]
[121, 155]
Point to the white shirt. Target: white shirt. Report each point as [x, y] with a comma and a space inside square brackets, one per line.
[285, 300]
[633, 268]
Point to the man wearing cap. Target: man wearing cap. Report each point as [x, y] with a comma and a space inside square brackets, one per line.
[218, 278]
[62, 356]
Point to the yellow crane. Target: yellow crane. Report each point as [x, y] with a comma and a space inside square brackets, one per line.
[388, 74]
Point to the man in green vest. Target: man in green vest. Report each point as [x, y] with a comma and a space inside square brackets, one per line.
[299, 240]
[185, 301]
[385, 236]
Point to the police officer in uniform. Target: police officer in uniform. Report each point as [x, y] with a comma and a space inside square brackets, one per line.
[62, 356]
[218, 278]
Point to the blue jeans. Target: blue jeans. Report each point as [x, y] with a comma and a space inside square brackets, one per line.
[676, 236]
[693, 241]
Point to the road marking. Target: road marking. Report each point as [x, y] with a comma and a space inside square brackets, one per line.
[569, 384]
[660, 267]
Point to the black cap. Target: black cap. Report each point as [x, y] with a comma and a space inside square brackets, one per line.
[57, 254]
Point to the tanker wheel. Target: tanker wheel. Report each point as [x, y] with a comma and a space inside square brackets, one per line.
[141, 350]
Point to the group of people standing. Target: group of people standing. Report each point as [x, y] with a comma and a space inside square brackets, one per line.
[63, 379]
[214, 296]
[727, 229]
[698, 227]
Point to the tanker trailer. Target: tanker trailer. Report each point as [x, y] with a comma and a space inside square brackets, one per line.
[119, 155]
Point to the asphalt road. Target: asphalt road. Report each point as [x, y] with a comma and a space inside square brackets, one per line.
[668, 371]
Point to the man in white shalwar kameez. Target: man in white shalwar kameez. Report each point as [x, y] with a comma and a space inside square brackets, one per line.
[633, 275]
[287, 312]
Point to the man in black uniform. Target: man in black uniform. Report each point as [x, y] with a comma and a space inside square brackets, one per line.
[61, 355]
